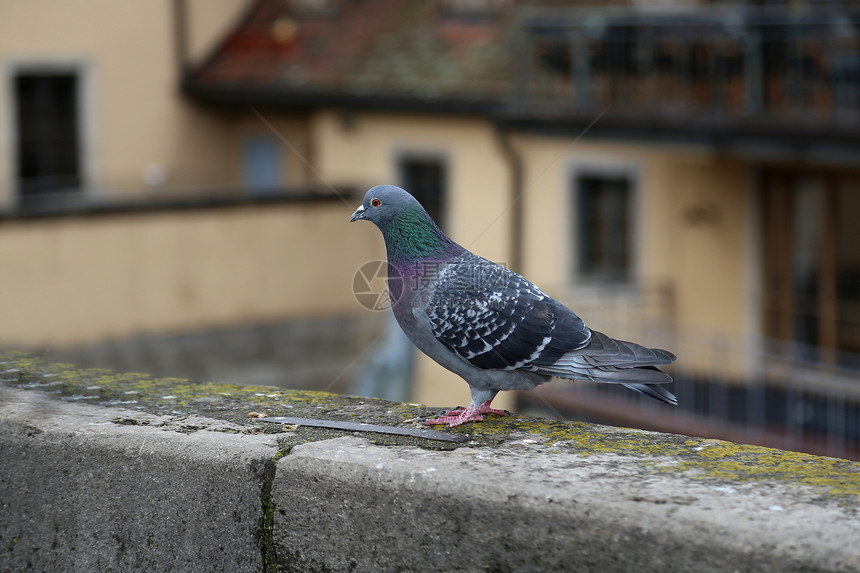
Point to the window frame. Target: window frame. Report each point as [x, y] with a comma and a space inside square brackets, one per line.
[84, 71]
[602, 170]
[279, 149]
[402, 155]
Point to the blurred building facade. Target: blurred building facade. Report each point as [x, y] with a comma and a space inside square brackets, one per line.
[684, 174]
[139, 231]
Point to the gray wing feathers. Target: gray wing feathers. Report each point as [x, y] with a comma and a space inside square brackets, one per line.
[493, 319]
[614, 361]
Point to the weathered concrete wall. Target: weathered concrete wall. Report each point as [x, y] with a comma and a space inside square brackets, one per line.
[82, 491]
[102, 471]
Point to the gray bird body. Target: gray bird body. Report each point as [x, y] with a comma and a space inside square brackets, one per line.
[443, 319]
[486, 323]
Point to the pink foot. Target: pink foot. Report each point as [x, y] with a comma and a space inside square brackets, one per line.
[462, 415]
[455, 412]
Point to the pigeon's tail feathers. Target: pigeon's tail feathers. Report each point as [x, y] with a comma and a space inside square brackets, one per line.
[608, 374]
[655, 391]
[605, 350]
[612, 361]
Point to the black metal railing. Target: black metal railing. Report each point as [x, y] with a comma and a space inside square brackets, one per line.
[756, 390]
[729, 65]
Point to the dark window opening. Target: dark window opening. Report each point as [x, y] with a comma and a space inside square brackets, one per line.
[811, 257]
[48, 139]
[603, 231]
[424, 178]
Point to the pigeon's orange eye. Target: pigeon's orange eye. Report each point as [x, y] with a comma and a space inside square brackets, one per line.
[375, 202]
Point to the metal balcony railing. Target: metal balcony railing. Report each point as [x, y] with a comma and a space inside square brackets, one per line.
[727, 66]
[755, 390]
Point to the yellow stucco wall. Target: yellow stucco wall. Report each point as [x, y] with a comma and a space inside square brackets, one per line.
[290, 130]
[82, 279]
[133, 114]
[366, 152]
[692, 232]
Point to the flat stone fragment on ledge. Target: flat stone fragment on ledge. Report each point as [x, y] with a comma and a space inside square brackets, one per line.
[103, 470]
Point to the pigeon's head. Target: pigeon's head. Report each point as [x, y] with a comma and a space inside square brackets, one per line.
[383, 203]
[409, 232]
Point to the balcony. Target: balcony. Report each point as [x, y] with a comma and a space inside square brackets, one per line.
[715, 73]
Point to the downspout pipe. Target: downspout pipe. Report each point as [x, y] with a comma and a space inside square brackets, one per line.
[515, 206]
[180, 38]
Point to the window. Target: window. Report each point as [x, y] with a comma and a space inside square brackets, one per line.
[811, 261]
[602, 233]
[47, 132]
[424, 177]
[262, 164]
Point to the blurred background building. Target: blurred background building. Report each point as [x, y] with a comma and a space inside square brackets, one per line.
[176, 178]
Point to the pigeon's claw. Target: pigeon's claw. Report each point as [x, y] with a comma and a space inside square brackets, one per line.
[454, 421]
[460, 416]
[455, 412]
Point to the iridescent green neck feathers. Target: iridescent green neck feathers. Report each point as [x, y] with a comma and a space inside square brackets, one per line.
[411, 235]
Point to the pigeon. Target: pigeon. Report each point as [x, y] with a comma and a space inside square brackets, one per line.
[486, 323]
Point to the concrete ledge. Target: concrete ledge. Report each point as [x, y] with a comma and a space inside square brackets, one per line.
[522, 509]
[184, 481]
[85, 488]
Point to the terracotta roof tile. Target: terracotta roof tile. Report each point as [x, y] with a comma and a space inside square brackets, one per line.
[391, 48]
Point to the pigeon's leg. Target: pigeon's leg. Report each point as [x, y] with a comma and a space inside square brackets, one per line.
[484, 408]
[472, 413]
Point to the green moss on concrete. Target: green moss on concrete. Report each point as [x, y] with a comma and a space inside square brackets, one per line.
[575, 437]
[165, 395]
[265, 537]
[668, 453]
[746, 463]
[230, 402]
[655, 452]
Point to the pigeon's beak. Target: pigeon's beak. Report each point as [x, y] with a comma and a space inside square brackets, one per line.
[359, 214]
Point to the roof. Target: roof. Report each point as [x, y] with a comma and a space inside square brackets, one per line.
[549, 65]
[382, 52]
